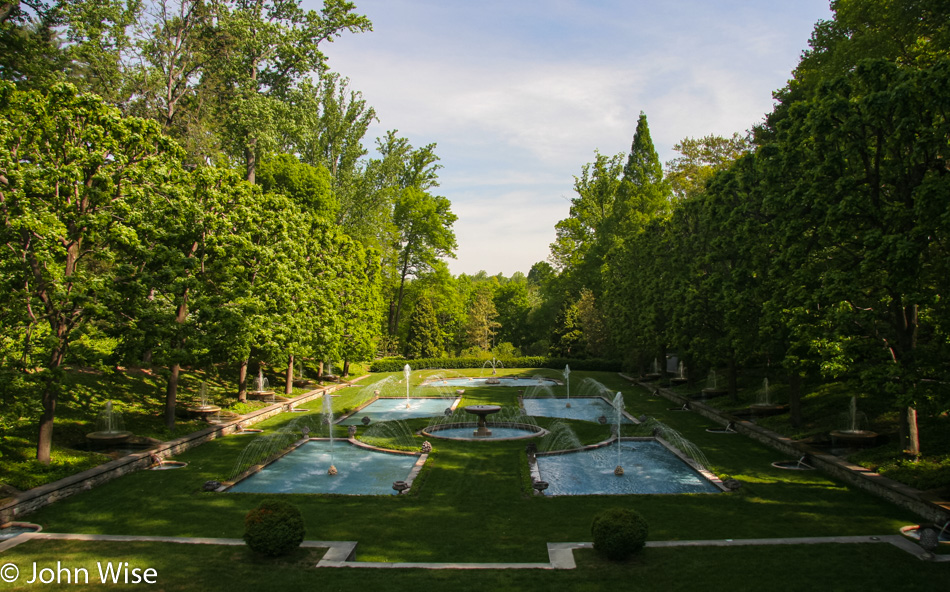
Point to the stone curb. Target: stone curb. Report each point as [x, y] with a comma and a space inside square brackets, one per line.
[560, 555]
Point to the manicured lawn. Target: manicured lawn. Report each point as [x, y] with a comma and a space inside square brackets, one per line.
[788, 568]
[472, 503]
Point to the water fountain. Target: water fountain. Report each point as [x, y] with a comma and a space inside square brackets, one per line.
[854, 436]
[712, 387]
[204, 409]
[495, 364]
[618, 407]
[764, 406]
[328, 375]
[680, 377]
[301, 380]
[109, 428]
[406, 370]
[654, 374]
[567, 382]
[510, 423]
[328, 419]
[261, 388]
[482, 411]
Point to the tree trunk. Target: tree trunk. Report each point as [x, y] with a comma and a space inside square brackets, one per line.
[320, 370]
[346, 368]
[171, 394]
[44, 439]
[733, 378]
[289, 386]
[910, 437]
[795, 398]
[242, 381]
[394, 323]
[250, 153]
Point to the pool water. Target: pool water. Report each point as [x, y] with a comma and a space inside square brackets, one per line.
[360, 471]
[582, 408]
[649, 467]
[393, 409]
[502, 381]
[497, 433]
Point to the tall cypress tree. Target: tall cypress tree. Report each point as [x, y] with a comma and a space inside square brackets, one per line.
[425, 335]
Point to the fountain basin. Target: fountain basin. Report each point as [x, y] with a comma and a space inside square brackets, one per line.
[261, 395]
[107, 439]
[495, 381]
[388, 409]
[853, 438]
[913, 533]
[765, 410]
[12, 529]
[710, 393]
[168, 465]
[498, 432]
[582, 408]
[361, 470]
[203, 411]
[482, 411]
[650, 466]
[793, 465]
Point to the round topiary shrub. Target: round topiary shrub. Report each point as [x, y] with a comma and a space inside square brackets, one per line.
[273, 528]
[618, 533]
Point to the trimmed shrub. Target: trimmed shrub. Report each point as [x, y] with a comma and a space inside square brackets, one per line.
[396, 364]
[618, 533]
[273, 528]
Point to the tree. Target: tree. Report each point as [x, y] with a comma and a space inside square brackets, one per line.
[30, 51]
[268, 47]
[700, 159]
[425, 334]
[566, 336]
[861, 212]
[642, 197]
[74, 177]
[481, 325]
[424, 234]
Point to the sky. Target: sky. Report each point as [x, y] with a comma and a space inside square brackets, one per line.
[518, 95]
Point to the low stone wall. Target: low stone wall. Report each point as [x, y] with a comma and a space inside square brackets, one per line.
[29, 501]
[897, 493]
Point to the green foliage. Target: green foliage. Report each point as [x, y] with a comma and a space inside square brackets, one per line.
[425, 334]
[274, 528]
[592, 364]
[308, 186]
[618, 533]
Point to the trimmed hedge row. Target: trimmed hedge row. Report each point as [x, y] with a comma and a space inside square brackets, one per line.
[593, 364]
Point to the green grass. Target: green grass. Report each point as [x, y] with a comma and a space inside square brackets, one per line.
[825, 407]
[788, 568]
[472, 503]
[469, 489]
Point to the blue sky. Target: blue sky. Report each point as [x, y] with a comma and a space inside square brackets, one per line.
[518, 94]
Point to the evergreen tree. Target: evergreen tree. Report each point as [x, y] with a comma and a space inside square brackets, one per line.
[425, 334]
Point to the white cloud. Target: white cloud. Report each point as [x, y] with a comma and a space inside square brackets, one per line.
[518, 95]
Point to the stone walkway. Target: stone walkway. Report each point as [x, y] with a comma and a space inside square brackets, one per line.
[560, 555]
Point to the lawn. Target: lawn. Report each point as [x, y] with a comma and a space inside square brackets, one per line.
[472, 503]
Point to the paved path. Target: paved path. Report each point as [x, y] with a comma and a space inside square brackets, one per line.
[560, 555]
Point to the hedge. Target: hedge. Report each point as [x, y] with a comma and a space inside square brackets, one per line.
[592, 364]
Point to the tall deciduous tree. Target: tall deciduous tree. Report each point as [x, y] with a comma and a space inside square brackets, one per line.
[74, 175]
[271, 45]
[424, 234]
[867, 176]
